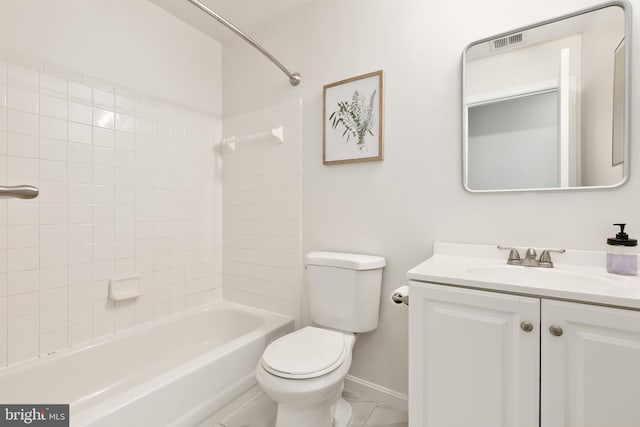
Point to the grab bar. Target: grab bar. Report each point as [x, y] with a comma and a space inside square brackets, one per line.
[229, 144]
[19, 191]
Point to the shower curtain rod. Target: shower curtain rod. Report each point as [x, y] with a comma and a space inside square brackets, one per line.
[294, 78]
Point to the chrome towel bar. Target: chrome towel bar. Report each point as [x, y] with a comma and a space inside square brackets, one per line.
[19, 191]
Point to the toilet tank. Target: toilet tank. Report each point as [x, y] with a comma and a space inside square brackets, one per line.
[344, 290]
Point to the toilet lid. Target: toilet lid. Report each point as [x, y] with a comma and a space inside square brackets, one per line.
[306, 353]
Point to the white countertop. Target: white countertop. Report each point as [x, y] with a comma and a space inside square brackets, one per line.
[577, 275]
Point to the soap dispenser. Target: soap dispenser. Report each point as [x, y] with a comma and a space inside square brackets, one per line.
[621, 254]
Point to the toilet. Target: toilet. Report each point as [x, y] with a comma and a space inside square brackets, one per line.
[304, 371]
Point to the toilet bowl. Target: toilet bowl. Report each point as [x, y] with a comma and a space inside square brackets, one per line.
[304, 373]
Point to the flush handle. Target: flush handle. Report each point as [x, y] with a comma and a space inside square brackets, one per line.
[556, 330]
[526, 326]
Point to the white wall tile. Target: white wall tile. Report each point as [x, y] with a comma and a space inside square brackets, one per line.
[104, 99]
[53, 256]
[53, 320]
[125, 104]
[22, 305]
[52, 341]
[261, 211]
[103, 118]
[53, 171]
[22, 213]
[103, 137]
[103, 156]
[22, 169]
[21, 99]
[54, 277]
[22, 122]
[53, 128]
[125, 123]
[119, 194]
[80, 193]
[51, 299]
[23, 349]
[21, 282]
[79, 132]
[53, 235]
[53, 107]
[53, 149]
[22, 145]
[80, 153]
[22, 236]
[53, 86]
[80, 173]
[79, 214]
[125, 141]
[80, 113]
[80, 233]
[80, 93]
[53, 192]
[22, 77]
[20, 259]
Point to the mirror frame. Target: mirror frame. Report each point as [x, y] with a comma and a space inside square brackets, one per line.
[626, 7]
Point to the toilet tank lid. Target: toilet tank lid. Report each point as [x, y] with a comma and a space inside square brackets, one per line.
[346, 260]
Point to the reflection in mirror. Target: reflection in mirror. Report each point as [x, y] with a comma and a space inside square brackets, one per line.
[545, 106]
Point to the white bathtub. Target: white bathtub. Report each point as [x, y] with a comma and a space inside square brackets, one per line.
[173, 372]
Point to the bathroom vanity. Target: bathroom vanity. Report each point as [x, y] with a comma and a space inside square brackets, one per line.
[492, 344]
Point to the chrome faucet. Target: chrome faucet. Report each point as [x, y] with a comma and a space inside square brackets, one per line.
[530, 257]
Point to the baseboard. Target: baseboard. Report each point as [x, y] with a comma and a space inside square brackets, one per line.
[380, 394]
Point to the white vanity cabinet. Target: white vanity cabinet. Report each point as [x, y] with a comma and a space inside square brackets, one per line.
[590, 375]
[488, 359]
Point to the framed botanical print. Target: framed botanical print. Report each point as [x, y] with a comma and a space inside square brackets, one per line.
[352, 120]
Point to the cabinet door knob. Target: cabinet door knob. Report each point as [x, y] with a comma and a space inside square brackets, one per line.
[555, 330]
[526, 326]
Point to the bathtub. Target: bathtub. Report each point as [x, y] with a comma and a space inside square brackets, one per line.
[174, 372]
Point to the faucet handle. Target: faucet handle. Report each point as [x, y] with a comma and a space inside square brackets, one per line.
[545, 257]
[530, 254]
[514, 256]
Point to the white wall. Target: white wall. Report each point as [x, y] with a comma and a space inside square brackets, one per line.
[133, 43]
[399, 207]
[129, 181]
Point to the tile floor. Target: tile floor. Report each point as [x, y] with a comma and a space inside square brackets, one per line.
[261, 412]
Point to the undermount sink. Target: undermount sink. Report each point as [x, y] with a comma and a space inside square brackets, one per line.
[535, 276]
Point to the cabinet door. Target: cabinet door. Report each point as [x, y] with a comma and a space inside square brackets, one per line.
[470, 361]
[591, 372]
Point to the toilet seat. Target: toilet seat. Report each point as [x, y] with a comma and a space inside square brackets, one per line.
[309, 352]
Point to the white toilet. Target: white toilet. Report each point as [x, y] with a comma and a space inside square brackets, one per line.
[304, 371]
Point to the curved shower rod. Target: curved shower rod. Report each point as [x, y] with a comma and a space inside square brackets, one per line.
[294, 78]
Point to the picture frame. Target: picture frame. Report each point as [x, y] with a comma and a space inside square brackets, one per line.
[352, 111]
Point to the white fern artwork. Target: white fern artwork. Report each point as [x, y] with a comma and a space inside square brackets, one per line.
[353, 122]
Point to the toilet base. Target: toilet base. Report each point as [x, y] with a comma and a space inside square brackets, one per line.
[343, 414]
[325, 414]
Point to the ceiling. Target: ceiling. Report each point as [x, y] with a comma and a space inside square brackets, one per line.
[245, 14]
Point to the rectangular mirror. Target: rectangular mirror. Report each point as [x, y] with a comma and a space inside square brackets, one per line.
[546, 107]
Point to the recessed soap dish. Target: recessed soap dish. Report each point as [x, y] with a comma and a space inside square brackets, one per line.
[124, 288]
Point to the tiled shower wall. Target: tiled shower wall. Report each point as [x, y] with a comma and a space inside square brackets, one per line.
[261, 199]
[129, 186]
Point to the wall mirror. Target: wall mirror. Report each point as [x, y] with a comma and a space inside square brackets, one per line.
[546, 107]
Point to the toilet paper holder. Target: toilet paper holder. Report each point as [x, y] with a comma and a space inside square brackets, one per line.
[401, 295]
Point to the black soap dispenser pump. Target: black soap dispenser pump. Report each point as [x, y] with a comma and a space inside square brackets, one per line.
[621, 254]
